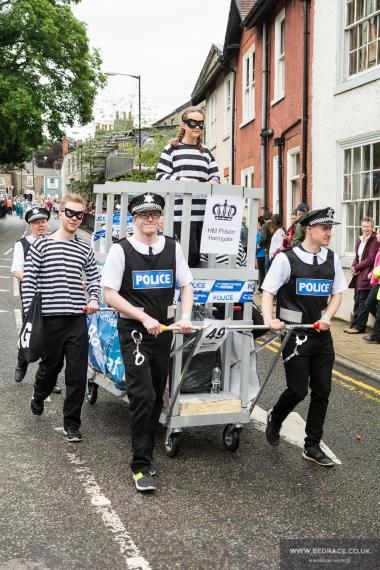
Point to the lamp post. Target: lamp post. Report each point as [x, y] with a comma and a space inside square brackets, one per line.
[138, 77]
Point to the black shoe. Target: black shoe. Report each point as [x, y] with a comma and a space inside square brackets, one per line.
[73, 435]
[367, 337]
[272, 433]
[144, 482]
[37, 407]
[56, 390]
[20, 372]
[315, 453]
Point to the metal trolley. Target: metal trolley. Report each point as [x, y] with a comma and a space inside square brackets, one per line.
[231, 409]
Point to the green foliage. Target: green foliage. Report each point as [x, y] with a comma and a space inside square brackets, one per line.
[138, 176]
[151, 149]
[49, 77]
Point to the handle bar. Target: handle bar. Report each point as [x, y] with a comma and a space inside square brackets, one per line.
[236, 327]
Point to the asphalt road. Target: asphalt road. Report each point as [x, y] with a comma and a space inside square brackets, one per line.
[75, 507]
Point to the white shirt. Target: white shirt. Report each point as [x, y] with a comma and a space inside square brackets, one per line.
[276, 241]
[113, 270]
[279, 272]
[18, 255]
[363, 243]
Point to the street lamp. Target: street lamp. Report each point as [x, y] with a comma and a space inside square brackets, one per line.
[138, 77]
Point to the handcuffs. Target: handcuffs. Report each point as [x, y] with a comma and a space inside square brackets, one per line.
[137, 339]
[299, 341]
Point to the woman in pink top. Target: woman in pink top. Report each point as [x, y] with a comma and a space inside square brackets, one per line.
[373, 303]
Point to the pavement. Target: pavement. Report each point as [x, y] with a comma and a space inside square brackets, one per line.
[74, 507]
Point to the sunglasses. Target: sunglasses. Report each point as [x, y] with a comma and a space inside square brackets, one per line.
[192, 123]
[147, 215]
[73, 213]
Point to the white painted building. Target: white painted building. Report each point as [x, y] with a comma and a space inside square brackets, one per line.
[346, 119]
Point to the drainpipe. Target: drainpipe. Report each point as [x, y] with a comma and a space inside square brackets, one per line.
[280, 143]
[265, 133]
[229, 69]
[305, 111]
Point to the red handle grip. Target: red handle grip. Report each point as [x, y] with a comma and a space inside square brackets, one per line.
[317, 326]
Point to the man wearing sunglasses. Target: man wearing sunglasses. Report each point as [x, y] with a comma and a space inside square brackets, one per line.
[139, 279]
[54, 267]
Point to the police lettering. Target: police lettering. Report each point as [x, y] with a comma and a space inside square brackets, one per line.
[152, 279]
[320, 287]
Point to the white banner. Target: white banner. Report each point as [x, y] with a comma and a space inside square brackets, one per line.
[213, 336]
[222, 224]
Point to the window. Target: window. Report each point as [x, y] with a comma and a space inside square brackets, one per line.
[248, 102]
[361, 189]
[29, 181]
[228, 97]
[293, 180]
[362, 30]
[247, 177]
[52, 183]
[275, 193]
[2, 180]
[212, 122]
[279, 56]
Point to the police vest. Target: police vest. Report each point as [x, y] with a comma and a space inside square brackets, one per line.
[25, 245]
[307, 292]
[149, 281]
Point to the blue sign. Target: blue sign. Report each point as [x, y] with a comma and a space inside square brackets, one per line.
[319, 287]
[200, 297]
[232, 286]
[152, 279]
[246, 297]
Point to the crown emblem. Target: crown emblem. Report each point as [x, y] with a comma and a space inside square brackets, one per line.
[224, 212]
[148, 198]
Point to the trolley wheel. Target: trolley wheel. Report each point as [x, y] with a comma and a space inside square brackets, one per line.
[91, 392]
[172, 445]
[231, 437]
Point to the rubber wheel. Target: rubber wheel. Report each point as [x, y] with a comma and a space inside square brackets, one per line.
[231, 438]
[172, 445]
[91, 392]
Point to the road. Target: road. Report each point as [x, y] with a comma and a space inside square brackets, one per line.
[74, 507]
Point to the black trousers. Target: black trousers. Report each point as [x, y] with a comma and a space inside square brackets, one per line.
[65, 337]
[261, 268]
[373, 306]
[145, 389]
[195, 241]
[312, 367]
[360, 313]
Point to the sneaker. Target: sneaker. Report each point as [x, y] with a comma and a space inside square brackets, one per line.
[353, 331]
[56, 390]
[152, 470]
[315, 453]
[20, 372]
[272, 433]
[369, 338]
[37, 407]
[144, 482]
[72, 436]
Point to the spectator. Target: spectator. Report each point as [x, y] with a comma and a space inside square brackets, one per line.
[288, 238]
[278, 233]
[186, 158]
[260, 253]
[373, 300]
[365, 252]
[244, 233]
[266, 237]
[299, 232]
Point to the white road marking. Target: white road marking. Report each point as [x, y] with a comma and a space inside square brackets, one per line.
[111, 520]
[7, 259]
[293, 430]
[4, 291]
[5, 276]
[16, 287]
[8, 251]
[18, 317]
[2, 311]
[5, 266]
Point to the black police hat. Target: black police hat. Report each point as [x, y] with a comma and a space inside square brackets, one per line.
[37, 213]
[324, 216]
[146, 203]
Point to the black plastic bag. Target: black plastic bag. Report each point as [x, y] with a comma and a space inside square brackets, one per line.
[199, 375]
[30, 340]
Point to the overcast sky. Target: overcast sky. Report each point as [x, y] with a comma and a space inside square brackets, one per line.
[164, 41]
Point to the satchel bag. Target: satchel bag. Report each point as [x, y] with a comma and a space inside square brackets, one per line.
[30, 340]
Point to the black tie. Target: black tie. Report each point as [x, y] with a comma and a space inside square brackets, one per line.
[150, 250]
[315, 261]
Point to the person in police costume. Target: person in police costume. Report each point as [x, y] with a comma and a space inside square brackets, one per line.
[139, 278]
[308, 282]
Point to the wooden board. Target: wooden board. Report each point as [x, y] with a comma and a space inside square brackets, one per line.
[197, 407]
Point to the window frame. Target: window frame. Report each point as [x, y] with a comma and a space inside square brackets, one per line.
[228, 110]
[248, 114]
[291, 177]
[279, 58]
[29, 181]
[2, 180]
[212, 122]
[250, 171]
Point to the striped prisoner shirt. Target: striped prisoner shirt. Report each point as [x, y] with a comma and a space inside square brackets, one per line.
[188, 161]
[55, 268]
[241, 258]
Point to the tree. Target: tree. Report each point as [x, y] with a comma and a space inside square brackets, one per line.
[49, 76]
